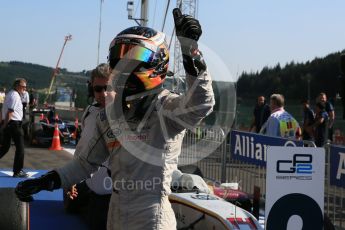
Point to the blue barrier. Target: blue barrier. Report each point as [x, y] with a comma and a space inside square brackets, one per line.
[251, 147]
[337, 166]
[47, 210]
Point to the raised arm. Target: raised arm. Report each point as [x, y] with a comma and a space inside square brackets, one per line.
[188, 110]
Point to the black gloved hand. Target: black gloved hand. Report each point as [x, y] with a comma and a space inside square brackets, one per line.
[49, 181]
[186, 26]
[188, 32]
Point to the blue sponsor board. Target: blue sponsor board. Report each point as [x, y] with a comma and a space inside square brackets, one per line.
[251, 147]
[47, 210]
[337, 167]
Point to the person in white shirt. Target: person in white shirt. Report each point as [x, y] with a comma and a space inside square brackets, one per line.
[25, 101]
[12, 115]
[2, 97]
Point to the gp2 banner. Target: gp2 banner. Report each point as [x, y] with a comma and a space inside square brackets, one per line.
[251, 147]
[337, 166]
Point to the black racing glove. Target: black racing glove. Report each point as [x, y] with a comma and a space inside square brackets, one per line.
[49, 181]
[188, 32]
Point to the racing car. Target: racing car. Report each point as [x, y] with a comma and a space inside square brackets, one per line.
[231, 193]
[194, 205]
[228, 191]
[197, 207]
[40, 129]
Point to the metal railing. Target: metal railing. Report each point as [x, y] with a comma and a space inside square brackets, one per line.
[220, 166]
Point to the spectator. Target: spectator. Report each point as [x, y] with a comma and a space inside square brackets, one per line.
[2, 98]
[12, 115]
[308, 121]
[51, 114]
[33, 99]
[25, 101]
[331, 114]
[342, 81]
[280, 123]
[320, 125]
[260, 114]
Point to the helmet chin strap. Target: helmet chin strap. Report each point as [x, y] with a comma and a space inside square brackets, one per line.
[142, 109]
[144, 94]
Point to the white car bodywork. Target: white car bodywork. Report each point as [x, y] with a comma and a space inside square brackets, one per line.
[196, 208]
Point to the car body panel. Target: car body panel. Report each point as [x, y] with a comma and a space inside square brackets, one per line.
[207, 211]
[199, 210]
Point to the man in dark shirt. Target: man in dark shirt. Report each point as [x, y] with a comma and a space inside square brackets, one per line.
[320, 124]
[331, 114]
[261, 113]
[342, 81]
[308, 120]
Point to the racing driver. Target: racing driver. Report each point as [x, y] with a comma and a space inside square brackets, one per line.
[142, 129]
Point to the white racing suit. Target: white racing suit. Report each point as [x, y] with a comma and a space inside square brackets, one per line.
[98, 181]
[143, 154]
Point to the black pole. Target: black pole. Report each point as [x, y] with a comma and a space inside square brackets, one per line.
[342, 80]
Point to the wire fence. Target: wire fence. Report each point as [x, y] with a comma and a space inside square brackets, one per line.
[221, 167]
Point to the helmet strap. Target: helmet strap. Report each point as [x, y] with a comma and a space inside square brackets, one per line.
[154, 91]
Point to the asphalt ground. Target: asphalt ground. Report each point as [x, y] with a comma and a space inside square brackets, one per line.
[37, 158]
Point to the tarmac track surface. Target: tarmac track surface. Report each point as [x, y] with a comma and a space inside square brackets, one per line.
[37, 158]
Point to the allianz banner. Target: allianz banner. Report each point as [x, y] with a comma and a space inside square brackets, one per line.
[251, 147]
[337, 167]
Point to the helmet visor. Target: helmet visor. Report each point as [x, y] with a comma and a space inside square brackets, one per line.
[131, 52]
